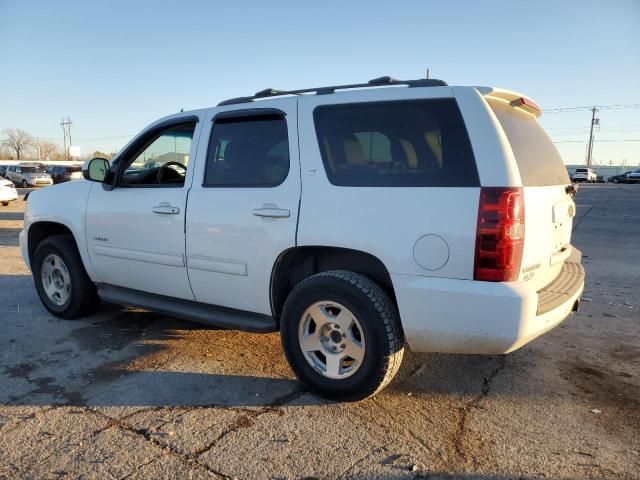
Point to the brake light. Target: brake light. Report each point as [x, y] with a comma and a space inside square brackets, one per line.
[499, 235]
[527, 104]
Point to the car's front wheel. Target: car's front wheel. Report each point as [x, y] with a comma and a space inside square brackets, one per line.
[24, 184]
[62, 283]
[341, 335]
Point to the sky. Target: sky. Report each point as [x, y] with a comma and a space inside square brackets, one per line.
[115, 66]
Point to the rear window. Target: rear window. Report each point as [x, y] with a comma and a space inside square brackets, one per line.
[582, 170]
[538, 159]
[417, 143]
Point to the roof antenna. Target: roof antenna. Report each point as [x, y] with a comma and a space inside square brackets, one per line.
[182, 110]
[427, 73]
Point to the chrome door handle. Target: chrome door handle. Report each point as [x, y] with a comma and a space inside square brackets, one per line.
[272, 212]
[165, 209]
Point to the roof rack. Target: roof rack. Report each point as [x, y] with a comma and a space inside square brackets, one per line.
[376, 82]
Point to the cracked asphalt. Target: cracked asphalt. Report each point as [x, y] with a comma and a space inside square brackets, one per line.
[132, 394]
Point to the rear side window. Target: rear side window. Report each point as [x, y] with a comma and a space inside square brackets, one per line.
[416, 143]
[250, 151]
[538, 159]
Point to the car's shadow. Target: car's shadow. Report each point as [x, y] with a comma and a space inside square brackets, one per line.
[11, 216]
[123, 357]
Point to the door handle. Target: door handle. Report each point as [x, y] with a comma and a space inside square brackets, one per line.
[165, 209]
[271, 211]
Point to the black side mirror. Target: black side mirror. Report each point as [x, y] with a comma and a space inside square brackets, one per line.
[96, 169]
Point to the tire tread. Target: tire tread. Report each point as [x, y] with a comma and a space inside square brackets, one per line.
[387, 314]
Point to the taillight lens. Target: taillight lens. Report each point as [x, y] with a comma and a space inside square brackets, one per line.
[500, 234]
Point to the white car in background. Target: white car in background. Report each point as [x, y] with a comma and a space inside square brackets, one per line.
[8, 192]
[584, 175]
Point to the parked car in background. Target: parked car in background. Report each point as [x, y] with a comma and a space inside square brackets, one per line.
[29, 175]
[64, 173]
[584, 175]
[626, 177]
[479, 262]
[8, 192]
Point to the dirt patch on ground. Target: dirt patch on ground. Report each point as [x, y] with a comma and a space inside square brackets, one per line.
[616, 394]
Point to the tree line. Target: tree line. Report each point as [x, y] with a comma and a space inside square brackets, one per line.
[18, 144]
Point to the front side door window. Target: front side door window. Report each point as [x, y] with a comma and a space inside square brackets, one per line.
[160, 159]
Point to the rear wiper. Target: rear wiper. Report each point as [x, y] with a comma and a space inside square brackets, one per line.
[571, 189]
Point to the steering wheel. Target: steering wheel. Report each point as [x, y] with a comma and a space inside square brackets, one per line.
[164, 169]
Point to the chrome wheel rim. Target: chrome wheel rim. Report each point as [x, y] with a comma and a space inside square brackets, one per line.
[331, 339]
[56, 280]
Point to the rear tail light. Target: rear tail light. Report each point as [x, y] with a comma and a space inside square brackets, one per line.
[500, 234]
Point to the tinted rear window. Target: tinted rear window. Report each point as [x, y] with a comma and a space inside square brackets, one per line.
[251, 151]
[538, 159]
[417, 143]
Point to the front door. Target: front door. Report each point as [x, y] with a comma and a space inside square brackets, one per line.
[243, 206]
[135, 232]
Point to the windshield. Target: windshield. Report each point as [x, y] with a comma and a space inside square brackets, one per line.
[33, 170]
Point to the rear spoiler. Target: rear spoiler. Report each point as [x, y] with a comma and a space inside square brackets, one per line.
[515, 99]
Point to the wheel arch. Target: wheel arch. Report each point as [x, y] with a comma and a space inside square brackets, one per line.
[297, 263]
[40, 230]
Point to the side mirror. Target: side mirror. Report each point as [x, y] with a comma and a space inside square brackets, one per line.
[96, 169]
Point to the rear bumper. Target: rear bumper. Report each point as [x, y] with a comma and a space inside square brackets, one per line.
[463, 316]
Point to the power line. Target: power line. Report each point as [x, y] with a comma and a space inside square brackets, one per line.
[600, 141]
[589, 107]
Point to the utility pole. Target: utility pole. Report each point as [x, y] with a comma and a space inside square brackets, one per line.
[428, 72]
[66, 131]
[594, 121]
[38, 148]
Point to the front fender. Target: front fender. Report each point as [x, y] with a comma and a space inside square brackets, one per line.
[63, 204]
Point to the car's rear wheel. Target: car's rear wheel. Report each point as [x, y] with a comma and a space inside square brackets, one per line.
[615, 180]
[62, 283]
[4, 204]
[341, 335]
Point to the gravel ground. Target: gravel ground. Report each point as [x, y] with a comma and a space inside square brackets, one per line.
[132, 394]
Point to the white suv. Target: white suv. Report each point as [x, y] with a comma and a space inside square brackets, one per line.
[354, 219]
[585, 175]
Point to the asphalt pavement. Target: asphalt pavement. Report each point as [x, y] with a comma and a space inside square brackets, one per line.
[132, 394]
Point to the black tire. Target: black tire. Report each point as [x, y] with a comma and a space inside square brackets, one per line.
[615, 180]
[25, 184]
[83, 298]
[5, 204]
[379, 321]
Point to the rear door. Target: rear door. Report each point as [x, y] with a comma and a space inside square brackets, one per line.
[243, 206]
[549, 209]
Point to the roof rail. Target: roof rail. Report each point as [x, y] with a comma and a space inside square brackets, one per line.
[376, 82]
